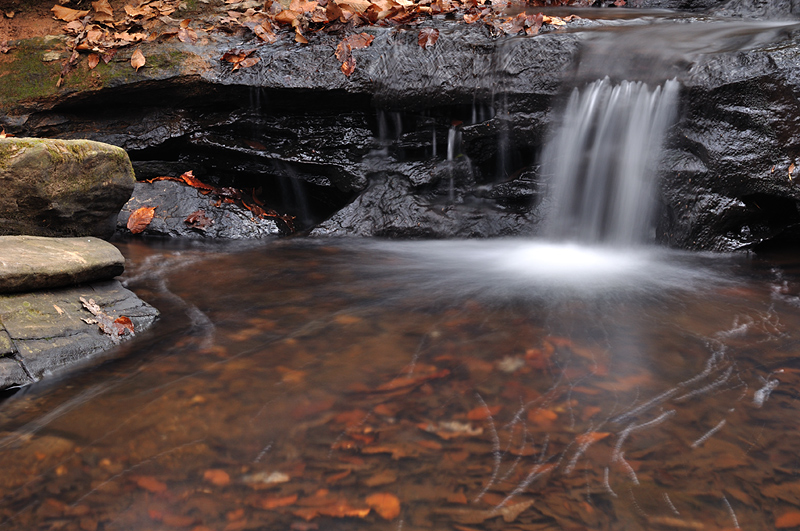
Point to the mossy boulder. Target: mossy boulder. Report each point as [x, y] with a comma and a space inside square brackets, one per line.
[62, 187]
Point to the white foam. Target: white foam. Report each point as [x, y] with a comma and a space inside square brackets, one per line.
[531, 267]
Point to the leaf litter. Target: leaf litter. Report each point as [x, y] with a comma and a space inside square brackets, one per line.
[102, 31]
[549, 454]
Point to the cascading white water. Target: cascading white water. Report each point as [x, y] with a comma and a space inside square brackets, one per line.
[599, 164]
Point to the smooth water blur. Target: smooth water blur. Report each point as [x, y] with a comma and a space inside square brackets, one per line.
[359, 385]
[600, 163]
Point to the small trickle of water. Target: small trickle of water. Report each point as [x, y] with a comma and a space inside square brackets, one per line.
[600, 161]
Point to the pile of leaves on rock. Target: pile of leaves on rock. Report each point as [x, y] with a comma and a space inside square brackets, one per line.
[100, 32]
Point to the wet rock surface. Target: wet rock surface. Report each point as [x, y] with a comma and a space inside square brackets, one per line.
[729, 174]
[185, 212]
[44, 324]
[62, 188]
[391, 208]
[30, 263]
[43, 332]
[365, 154]
[295, 127]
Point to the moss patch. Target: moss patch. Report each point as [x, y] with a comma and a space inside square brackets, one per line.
[24, 76]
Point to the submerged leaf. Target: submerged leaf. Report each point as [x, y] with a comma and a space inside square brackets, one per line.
[385, 504]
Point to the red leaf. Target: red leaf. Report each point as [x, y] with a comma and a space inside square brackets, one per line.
[124, 323]
[140, 219]
[428, 37]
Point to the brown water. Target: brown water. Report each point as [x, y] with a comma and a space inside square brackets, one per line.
[445, 385]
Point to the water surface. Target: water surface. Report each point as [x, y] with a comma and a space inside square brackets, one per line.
[472, 385]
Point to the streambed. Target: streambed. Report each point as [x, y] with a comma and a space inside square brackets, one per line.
[457, 385]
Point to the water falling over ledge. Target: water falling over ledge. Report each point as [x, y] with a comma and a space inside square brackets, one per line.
[600, 163]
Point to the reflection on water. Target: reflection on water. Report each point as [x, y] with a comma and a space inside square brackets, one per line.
[437, 385]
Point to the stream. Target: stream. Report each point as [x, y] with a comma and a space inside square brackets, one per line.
[589, 381]
[362, 384]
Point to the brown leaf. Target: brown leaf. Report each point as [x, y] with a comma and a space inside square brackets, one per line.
[187, 35]
[264, 32]
[103, 11]
[138, 60]
[428, 37]
[94, 60]
[357, 6]
[477, 516]
[343, 509]
[66, 14]
[199, 220]
[140, 219]
[217, 477]
[143, 11]
[483, 413]
[272, 502]
[385, 504]
[348, 65]
[247, 63]
[786, 520]
[150, 484]
[287, 16]
[299, 37]
[303, 6]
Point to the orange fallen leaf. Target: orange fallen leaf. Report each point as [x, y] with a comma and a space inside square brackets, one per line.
[385, 504]
[124, 323]
[217, 477]
[343, 509]
[94, 60]
[786, 520]
[543, 417]
[103, 11]
[336, 477]
[591, 437]
[483, 413]
[151, 484]
[138, 60]
[140, 219]
[273, 502]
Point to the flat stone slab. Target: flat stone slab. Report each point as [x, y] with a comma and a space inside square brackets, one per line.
[30, 263]
[44, 332]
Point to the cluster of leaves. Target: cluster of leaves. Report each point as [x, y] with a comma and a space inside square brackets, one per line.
[139, 219]
[110, 326]
[306, 17]
[100, 32]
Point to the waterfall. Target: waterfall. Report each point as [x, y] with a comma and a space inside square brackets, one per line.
[600, 162]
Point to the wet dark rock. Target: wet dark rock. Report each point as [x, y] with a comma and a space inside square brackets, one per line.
[62, 188]
[391, 207]
[308, 136]
[762, 9]
[183, 211]
[30, 263]
[43, 332]
[729, 179]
